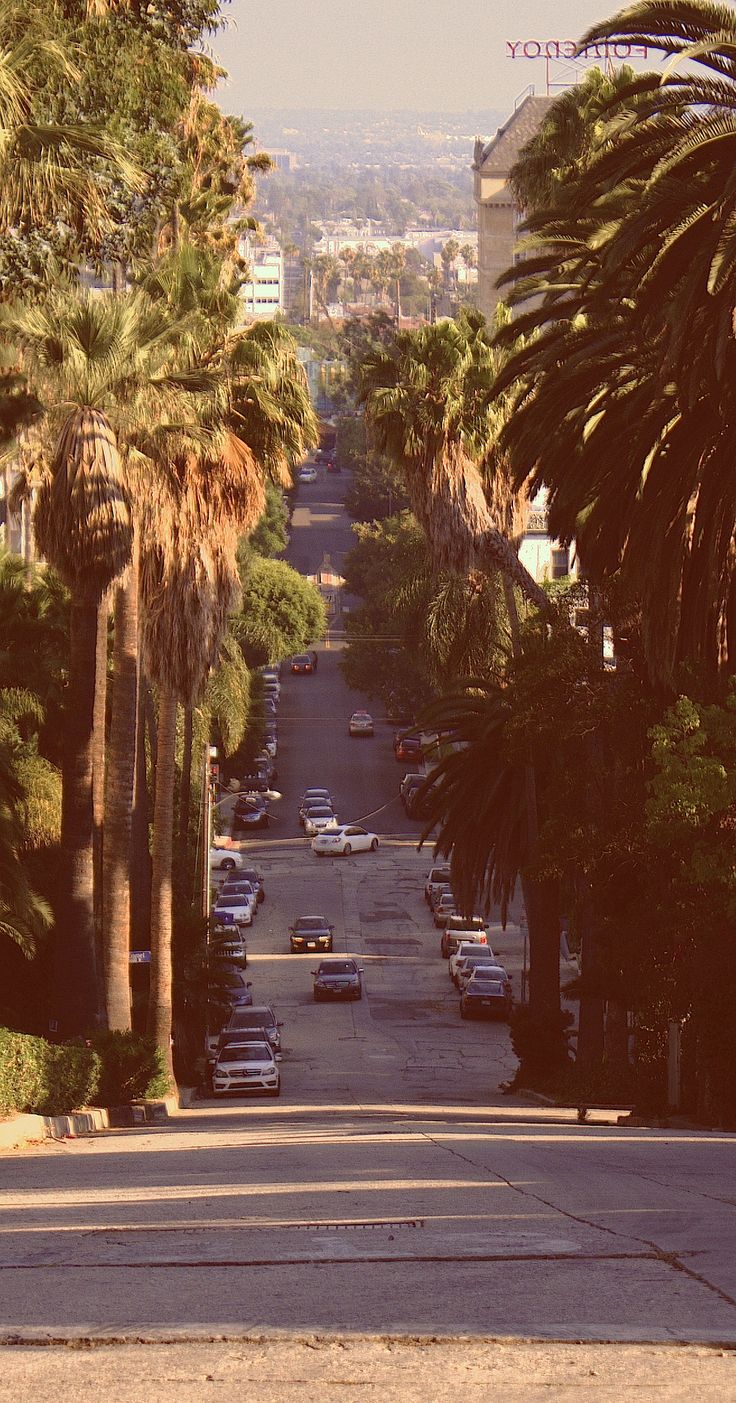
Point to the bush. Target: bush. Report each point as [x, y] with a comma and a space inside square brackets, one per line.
[38, 1076]
[133, 1069]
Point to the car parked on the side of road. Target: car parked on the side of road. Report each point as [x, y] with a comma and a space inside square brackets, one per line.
[464, 967]
[240, 907]
[407, 747]
[466, 947]
[440, 889]
[350, 838]
[307, 474]
[302, 663]
[247, 874]
[438, 877]
[248, 1019]
[311, 933]
[487, 994]
[250, 812]
[459, 929]
[227, 949]
[444, 907]
[320, 818]
[225, 860]
[338, 979]
[409, 783]
[360, 724]
[246, 1066]
[227, 986]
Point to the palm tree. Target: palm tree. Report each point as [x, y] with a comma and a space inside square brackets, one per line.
[91, 359]
[189, 581]
[24, 916]
[427, 400]
[477, 797]
[48, 171]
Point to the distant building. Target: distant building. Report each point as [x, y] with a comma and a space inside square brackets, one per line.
[283, 160]
[262, 296]
[544, 558]
[498, 215]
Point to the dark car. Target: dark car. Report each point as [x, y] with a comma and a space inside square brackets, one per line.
[338, 979]
[332, 465]
[311, 933]
[249, 874]
[407, 747]
[250, 812]
[487, 994]
[228, 950]
[249, 1019]
[228, 987]
[302, 663]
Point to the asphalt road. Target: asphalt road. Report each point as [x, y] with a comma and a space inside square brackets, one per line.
[392, 1193]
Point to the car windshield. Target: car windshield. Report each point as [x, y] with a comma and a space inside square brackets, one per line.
[247, 1052]
[311, 923]
[315, 794]
[227, 902]
[337, 967]
[322, 812]
[250, 875]
[229, 979]
[488, 972]
[253, 1018]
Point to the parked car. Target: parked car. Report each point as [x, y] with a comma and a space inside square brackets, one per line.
[487, 994]
[311, 933]
[240, 907]
[417, 802]
[467, 947]
[227, 950]
[307, 474]
[407, 747]
[360, 724]
[225, 860]
[410, 782]
[239, 885]
[338, 979]
[249, 1019]
[311, 797]
[302, 663]
[332, 465]
[249, 874]
[444, 907]
[250, 812]
[465, 966]
[350, 838]
[227, 986]
[438, 877]
[458, 929]
[246, 1066]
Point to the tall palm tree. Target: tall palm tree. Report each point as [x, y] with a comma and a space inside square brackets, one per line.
[90, 359]
[427, 400]
[189, 583]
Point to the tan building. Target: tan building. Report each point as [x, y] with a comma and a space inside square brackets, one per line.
[498, 216]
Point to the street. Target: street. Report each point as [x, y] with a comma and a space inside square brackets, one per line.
[393, 1190]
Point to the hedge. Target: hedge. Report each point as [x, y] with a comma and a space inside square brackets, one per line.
[52, 1079]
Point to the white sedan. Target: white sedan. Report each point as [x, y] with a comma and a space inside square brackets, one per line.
[226, 859]
[235, 910]
[246, 1067]
[308, 475]
[320, 818]
[360, 724]
[345, 840]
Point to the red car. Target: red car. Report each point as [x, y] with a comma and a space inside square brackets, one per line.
[302, 663]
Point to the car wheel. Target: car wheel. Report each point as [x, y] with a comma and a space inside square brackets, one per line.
[374, 845]
[227, 864]
[347, 850]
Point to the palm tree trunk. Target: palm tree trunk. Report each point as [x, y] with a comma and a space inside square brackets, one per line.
[185, 789]
[160, 1005]
[120, 802]
[75, 949]
[140, 882]
[98, 760]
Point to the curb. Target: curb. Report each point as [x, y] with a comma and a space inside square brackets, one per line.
[28, 1129]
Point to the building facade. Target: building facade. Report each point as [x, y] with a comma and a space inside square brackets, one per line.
[498, 216]
[262, 295]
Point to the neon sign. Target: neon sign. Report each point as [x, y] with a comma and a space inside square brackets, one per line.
[567, 48]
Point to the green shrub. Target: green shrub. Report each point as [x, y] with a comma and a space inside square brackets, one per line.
[72, 1078]
[133, 1069]
[41, 1077]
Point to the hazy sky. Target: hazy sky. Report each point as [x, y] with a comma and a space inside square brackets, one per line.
[382, 54]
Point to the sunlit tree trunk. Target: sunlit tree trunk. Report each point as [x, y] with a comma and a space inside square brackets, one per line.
[160, 1003]
[117, 847]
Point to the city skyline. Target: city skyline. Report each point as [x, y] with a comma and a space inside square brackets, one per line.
[412, 58]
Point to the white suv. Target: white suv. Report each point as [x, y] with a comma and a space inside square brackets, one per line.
[468, 947]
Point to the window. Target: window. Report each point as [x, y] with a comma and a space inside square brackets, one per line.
[560, 563]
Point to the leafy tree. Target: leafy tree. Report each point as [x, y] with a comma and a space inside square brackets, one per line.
[271, 535]
[281, 612]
